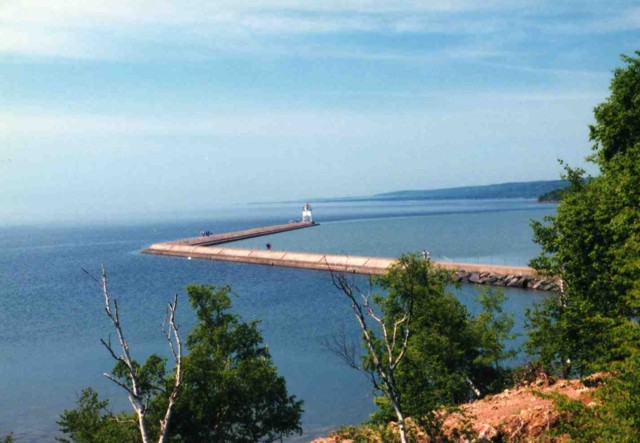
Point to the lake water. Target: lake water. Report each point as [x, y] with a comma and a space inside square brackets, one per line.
[51, 313]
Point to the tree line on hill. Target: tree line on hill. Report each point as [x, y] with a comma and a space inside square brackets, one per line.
[552, 196]
[513, 190]
[531, 189]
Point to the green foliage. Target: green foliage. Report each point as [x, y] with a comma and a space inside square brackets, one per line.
[370, 433]
[8, 438]
[593, 244]
[151, 375]
[492, 328]
[552, 196]
[92, 422]
[617, 126]
[448, 348]
[230, 391]
[503, 190]
[613, 416]
[417, 431]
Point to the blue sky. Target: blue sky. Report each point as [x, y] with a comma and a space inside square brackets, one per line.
[130, 108]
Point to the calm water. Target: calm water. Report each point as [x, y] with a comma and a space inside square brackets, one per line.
[52, 319]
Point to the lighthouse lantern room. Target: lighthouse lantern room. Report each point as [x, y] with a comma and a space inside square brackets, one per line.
[306, 213]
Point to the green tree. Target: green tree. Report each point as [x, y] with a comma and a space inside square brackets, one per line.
[384, 322]
[423, 350]
[491, 329]
[593, 243]
[617, 126]
[230, 389]
[93, 422]
[452, 356]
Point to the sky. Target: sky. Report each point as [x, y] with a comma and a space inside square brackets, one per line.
[113, 110]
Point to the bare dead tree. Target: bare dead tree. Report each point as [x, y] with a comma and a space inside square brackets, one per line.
[386, 348]
[345, 348]
[139, 396]
[170, 329]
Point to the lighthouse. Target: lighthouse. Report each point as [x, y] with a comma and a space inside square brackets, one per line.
[306, 213]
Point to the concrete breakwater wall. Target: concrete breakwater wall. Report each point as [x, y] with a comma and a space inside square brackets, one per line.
[227, 237]
[507, 276]
[204, 248]
[300, 260]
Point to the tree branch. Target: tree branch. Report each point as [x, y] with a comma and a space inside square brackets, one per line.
[171, 333]
[385, 372]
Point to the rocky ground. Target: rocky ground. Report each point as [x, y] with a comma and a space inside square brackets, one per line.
[518, 414]
[510, 281]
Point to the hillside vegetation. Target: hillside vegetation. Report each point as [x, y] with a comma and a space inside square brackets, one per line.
[551, 196]
[533, 189]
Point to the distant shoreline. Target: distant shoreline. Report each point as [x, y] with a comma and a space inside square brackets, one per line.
[378, 200]
[501, 191]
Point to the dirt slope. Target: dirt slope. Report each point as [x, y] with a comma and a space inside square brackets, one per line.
[514, 415]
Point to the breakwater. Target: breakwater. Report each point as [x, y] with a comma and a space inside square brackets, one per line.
[218, 239]
[205, 247]
[511, 278]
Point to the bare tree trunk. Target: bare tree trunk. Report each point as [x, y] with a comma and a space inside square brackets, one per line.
[137, 398]
[473, 387]
[171, 332]
[394, 398]
[401, 426]
[143, 430]
[125, 357]
[384, 362]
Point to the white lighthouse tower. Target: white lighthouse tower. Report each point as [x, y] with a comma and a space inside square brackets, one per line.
[306, 213]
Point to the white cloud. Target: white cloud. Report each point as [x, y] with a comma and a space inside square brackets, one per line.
[66, 12]
[307, 123]
[224, 17]
[124, 28]
[51, 125]
[626, 20]
[435, 108]
[36, 42]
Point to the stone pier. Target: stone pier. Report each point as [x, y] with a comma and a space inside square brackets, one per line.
[205, 247]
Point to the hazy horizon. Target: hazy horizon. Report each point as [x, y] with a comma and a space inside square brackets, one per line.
[138, 107]
[225, 210]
